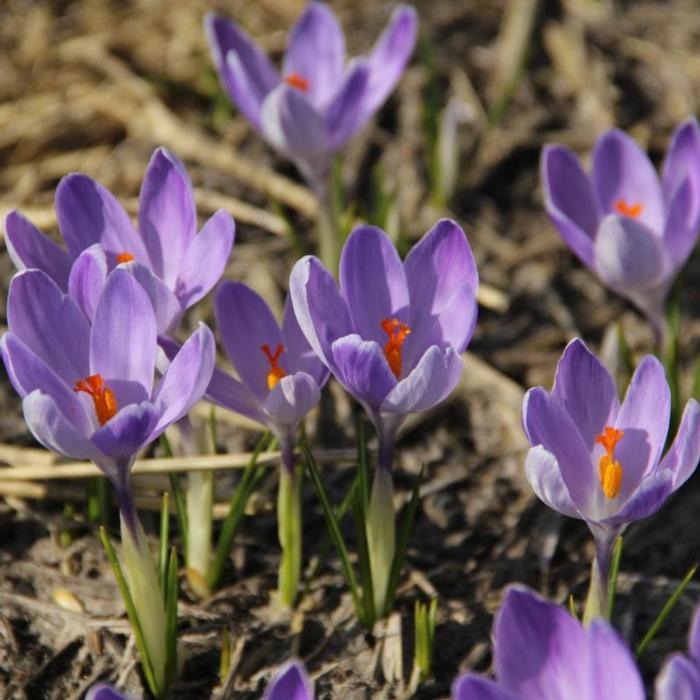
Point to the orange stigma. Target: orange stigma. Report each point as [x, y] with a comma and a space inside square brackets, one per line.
[397, 332]
[124, 257]
[102, 396]
[276, 372]
[297, 82]
[610, 469]
[631, 210]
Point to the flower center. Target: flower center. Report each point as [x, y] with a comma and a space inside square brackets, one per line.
[610, 469]
[124, 257]
[397, 332]
[632, 210]
[276, 372]
[102, 396]
[298, 82]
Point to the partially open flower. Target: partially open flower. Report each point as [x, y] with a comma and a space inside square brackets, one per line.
[290, 683]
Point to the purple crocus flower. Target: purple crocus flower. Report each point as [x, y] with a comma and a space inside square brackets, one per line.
[88, 390]
[632, 229]
[680, 677]
[99, 235]
[317, 103]
[102, 691]
[392, 334]
[542, 653]
[599, 460]
[290, 683]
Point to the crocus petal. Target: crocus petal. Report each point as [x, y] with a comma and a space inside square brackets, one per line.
[290, 683]
[344, 113]
[245, 325]
[679, 680]
[586, 391]
[614, 671]
[300, 356]
[684, 454]
[681, 230]
[628, 255]
[30, 248]
[544, 475]
[472, 687]
[649, 496]
[87, 279]
[52, 429]
[291, 399]
[363, 370]
[205, 259]
[546, 423]
[316, 52]
[644, 418]
[186, 379]
[569, 200]
[683, 163]
[320, 310]
[390, 56]
[123, 339]
[694, 636]
[373, 282]
[89, 213]
[121, 437]
[247, 74]
[540, 650]
[166, 306]
[430, 382]
[167, 215]
[229, 393]
[49, 323]
[622, 172]
[102, 691]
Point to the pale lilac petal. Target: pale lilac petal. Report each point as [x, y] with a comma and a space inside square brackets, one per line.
[373, 282]
[430, 382]
[89, 213]
[546, 423]
[390, 55]
[684, 454]
[344, 113]
[49, 323]
[472, 687]
[363, 370]
[544, 475]
[87, 278]
[681, 229]
[629, 255]
[166, 306]
[586, 391]
[683, 163]
[649, 496]
[167, 215]
[121, 437]
[245, 325]
[644, 418]
[102, 691]
[291, 399]
[290, 683]
[186, 379]
[569, 200]
[123, 339]
[694, 636]
[205, 259]
[247, 74]
[320, 310]
[30, 248]
[623, 172]
[300, 356]
[229, 393]
[679, 680]
[614, 671]
[540, 650]
[316, 52]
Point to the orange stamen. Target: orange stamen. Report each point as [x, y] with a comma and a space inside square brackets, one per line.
[631, 210]
[397, 332]
[610, 469]
[124, 257]
[297, 82]
[102, 396]
[276, 372]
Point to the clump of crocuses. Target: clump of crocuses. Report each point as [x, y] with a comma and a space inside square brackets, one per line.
[600, 460]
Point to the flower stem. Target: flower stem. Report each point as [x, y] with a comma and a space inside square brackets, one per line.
[289, 526]
[329, 242]
[381, 535]
[597, 602]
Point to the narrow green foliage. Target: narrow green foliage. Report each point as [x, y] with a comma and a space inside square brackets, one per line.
[572, 606]
[670, 603]
[225, 656]
[625, 357]
[696, 381]
[369, 612]
[424, 620]
[97, 500]
[289, 532]
[362, 466]
[164, 541]
[170, 599]
[178, 494]
[612, 579]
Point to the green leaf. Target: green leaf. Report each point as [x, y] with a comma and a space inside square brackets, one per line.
[164, 541]
[572, 606]
[362, 467]
[358, 513]
[612, 579]
[170, 593]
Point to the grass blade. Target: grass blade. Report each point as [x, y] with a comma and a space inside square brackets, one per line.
[358, 512]
[614, 570]
[170, 593]
[164, 541]
[363, 466]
